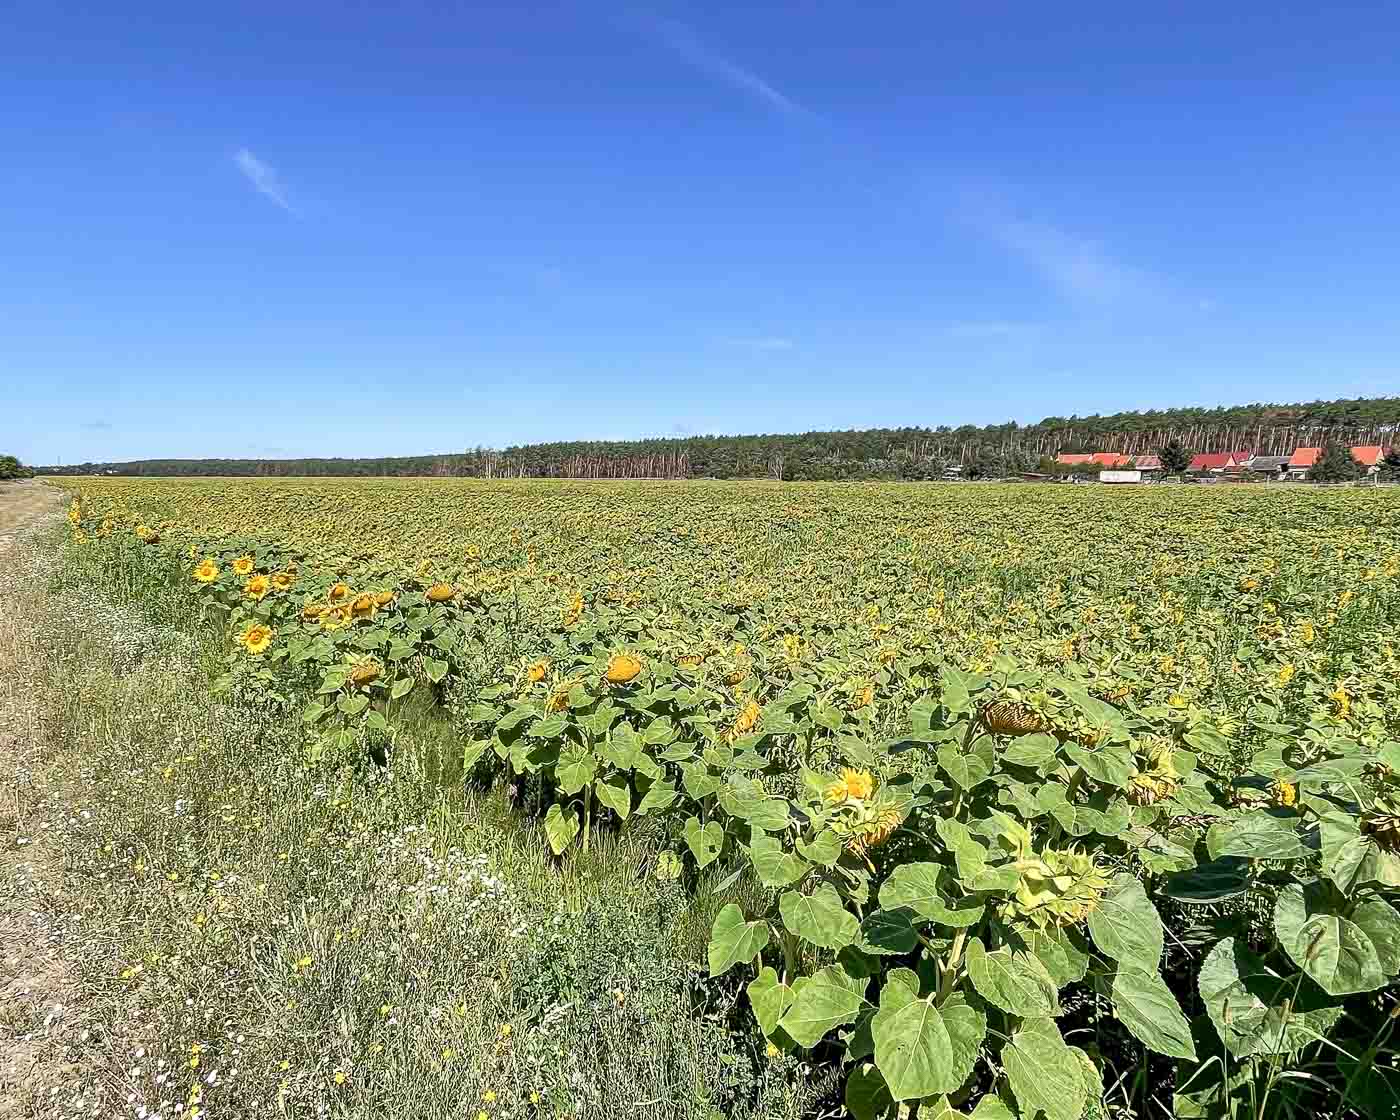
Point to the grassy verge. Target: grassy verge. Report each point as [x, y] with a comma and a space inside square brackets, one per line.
[259, 938]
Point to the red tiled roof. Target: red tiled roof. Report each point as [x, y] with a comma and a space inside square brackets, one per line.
[1368, 455]
[1304, 457]
[1213, 461]
[1148, 462]
[1073, 458]
[1110, 459]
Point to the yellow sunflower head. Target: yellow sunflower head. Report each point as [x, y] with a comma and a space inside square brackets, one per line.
[537, 671]
[335, 618]
[338, 592]
[690, 660]
[283, 580]
[207, 571]
[441, 593]
[362, 606]
[256, 637]
[312, 611]
[852, 785]
[243, 565]
[622, 668]
[384, 598]
[257, 586]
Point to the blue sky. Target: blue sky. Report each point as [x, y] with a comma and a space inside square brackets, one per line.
[342, 229]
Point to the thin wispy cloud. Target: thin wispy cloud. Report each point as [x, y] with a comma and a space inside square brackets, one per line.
[1079, 268]
[686, 45]
[263, 177]
[768, 343]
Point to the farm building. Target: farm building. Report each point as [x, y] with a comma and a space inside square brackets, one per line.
[1369, 456]
[1302, 460]
[1271, 466]
[1217, 462]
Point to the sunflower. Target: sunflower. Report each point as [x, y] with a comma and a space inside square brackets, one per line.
[384, 598]
[745, 721]
[257, 587]
[690, 660]
[1056, 888]
[574, 611]
[283, 580]
[256, 637]
[146, 534]
[622, 668]
[853, 785]
[1006, 718]
[243, 565]
[1285, 794]
[335, 618]
[312, 611]
[207, 571]
[365, 673]
[537, 671]
[338, 592]
[441, 593]
[362, 606]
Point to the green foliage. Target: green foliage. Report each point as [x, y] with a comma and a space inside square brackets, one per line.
[11, 468]
[1334, 464]
[1175, 458]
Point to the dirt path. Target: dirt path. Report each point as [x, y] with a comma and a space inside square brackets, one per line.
[35, 1016]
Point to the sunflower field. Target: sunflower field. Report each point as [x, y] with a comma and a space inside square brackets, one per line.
[1019, 789]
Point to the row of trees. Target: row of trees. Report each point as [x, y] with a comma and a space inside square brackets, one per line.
[11, 468]
[895, 453]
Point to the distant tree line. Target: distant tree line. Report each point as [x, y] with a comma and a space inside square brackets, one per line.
[876, 453]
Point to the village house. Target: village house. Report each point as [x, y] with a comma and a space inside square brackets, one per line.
[1302, 461]
[1218, 462]
[1270, 466]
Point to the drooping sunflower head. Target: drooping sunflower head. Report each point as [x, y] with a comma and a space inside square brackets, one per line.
[362, 606]
[256, 637]
[338, 591]
[243, 565]
[623, 668]
[207, 571]
[384, 598]
[441, 593]
[257, 586]
[1006, 717]
[537, 671]
[312, 611]
[147, 535]
[283, 580]
[690, 660]
[335, 618]
[745, 721]
[365, 673]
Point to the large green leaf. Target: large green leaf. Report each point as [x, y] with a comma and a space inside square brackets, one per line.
[1257, 835]
[1125, 925]
[888, 932]
[575, 768]
[967, 1028]
[705, 843]
[734, 940]
[966, 770]
[820, 917]
[1111, 764]
[776, 866]
[867, 1095]
[1145, 1005]
[916, 886]
[659, 796]
[1209, 883]
[1255, 1010]
[615, 792]
[770, 998]
[822, 1002]
[1065, 961]
[560, 827]
[1035, 750]
[1336, 952]
[1042, 1071]
[1378, 920]
[912, 1047]
[1014, 981]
